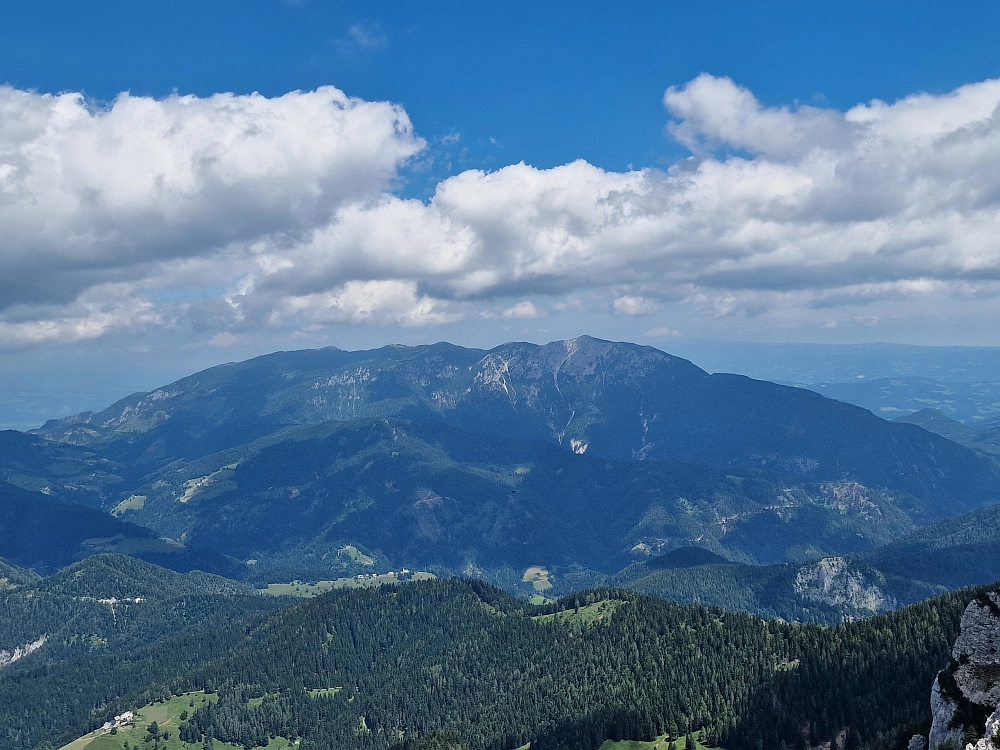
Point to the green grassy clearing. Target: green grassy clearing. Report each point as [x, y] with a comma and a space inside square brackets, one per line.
[306, 590]
[538, 577]
[297, 588]
[132, 502]
[596, 612]
[538, 600]
[82, 742]
[353, 554]
[167, 716]
[209, 486]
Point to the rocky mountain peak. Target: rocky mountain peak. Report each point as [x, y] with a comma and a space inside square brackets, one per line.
[573, 362]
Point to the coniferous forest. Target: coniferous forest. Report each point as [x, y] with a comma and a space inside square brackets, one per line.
[376, 668]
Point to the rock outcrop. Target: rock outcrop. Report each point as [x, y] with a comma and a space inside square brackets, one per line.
[838, 582]
[9, 657]
[966, 694]
[944, 730]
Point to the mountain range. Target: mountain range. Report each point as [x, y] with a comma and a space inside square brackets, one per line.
[618, 401]
[575, 456]
[983, 437]
[598, 472]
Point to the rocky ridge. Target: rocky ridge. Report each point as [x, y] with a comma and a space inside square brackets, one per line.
[965, 697]
[836, 582]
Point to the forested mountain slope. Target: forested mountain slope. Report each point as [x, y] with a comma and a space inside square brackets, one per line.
[39, 533]
[64, 472]
[426, 494]
[829, 590]
[114, 604]
[429, 494]
[14, 576]
[467, 657]
[613, 400]
[580, 453]
[959, 551]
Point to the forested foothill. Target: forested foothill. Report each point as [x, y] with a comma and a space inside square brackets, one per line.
[375, 668]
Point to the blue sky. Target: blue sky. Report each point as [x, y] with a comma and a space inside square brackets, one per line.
[549, 81]
[772, 171]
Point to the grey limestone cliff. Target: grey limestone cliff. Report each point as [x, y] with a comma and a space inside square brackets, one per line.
[838, 582]
[966, 694]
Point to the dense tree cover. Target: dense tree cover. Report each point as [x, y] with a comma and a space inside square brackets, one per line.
[871, 677]
[960, 551]
[120, 577]
[41, 533]
[116, 603]
[465, 657]
[13, 576]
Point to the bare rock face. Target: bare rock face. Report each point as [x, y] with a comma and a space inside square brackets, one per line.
[838, 582]
[966, 694]
[9, 657]
[943, 709]
[979, 641]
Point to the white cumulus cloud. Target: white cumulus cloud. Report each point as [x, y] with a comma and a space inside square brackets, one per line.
[287, 205]
[525, 310]
[386, 302]
[823, 208]
[663, 332]
[633, 305]
[92, 195]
